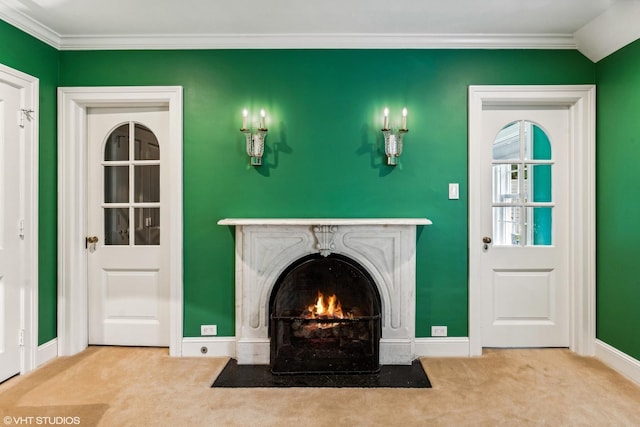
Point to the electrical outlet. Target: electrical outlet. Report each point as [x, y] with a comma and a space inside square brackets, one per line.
[208, 330]
[438, 331]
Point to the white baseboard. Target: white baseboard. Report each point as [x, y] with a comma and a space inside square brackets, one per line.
[621, 362]
[47, 351]
[215, 347]
[424, 347]
[442, 347]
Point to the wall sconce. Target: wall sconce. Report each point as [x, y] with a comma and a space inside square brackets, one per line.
[393, 137]
[255, 137]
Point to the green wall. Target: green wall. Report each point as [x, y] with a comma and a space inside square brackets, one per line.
[618, 204]
[26, 54]
[323, 156]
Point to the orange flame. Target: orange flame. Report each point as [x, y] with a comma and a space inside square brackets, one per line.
[331, 309]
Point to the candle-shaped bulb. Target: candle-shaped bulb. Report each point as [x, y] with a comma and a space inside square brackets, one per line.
[385, 124]
[404, 118]
[262, 115]
[245, 117]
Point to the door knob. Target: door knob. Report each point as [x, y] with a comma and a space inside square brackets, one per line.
[90, 243]
[486, 240]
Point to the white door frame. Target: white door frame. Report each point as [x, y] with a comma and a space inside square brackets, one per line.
[73, 103]
[29, 87]
[580, 100]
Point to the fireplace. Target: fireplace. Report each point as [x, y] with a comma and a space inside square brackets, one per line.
[325, 316]
[379, 249]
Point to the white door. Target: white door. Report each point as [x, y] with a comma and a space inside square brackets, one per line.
[10, 243]
[522, 243]
[128, 287]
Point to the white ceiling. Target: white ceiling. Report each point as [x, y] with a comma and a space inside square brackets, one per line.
[101, 24]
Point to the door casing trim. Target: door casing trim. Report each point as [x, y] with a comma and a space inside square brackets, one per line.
[29, 140]
[73, 102]
[580, 100]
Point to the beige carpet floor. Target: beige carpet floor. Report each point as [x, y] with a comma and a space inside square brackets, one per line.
[113, 386]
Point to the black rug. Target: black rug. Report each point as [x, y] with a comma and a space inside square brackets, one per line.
[390, 376]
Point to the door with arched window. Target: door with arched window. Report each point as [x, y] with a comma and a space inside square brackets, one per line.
[128, 286]
[524, 217]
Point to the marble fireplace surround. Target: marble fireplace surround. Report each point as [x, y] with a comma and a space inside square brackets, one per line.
[385, 247]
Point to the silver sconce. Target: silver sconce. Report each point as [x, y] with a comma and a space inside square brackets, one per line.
[255, 137]
[393, 137]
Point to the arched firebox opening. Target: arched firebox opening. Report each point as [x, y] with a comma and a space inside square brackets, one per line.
[325, 317]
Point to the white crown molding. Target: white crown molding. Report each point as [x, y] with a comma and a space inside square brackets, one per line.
[319, 41]
[17, 18]
[283, 41]
[612, 30]
[30, 26]
[602, 36]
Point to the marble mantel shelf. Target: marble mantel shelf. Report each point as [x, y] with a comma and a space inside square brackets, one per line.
[324, 221]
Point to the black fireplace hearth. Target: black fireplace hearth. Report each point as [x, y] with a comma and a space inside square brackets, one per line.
[325, 317]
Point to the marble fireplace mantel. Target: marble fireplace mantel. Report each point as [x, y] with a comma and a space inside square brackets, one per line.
[324, 221]
[385, 247]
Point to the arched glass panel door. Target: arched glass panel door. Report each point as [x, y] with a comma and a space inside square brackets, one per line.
[522, 200]
[131, 186]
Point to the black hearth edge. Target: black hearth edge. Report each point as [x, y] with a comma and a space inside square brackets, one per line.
[390, 376]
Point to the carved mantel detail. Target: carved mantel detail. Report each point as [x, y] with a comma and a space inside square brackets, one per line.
[324, 236]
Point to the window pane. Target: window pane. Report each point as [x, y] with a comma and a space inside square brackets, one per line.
[538, 147]
[147, 226]
[147, 179]
[117, 146]
[541, 183]
[506, 146]
[506, 185]
[146, 144]
[542, 218]
[116, 226]
[506, 225]
[116, 184]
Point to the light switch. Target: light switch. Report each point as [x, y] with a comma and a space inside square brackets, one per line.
[454, 191]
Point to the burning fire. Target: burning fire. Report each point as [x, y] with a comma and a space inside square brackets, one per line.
[322, 312]
[330, 309]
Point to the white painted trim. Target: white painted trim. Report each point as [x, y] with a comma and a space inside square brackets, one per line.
[216, 347]
[610, 31]
[602, 36]
[442, 347]
[47, 351]
[580, 99]
[226, 347]
[318, 41]
[324, 221]
[29, 25]
[29, 87]
[72, 211]
[282, 41]
[616, 359]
